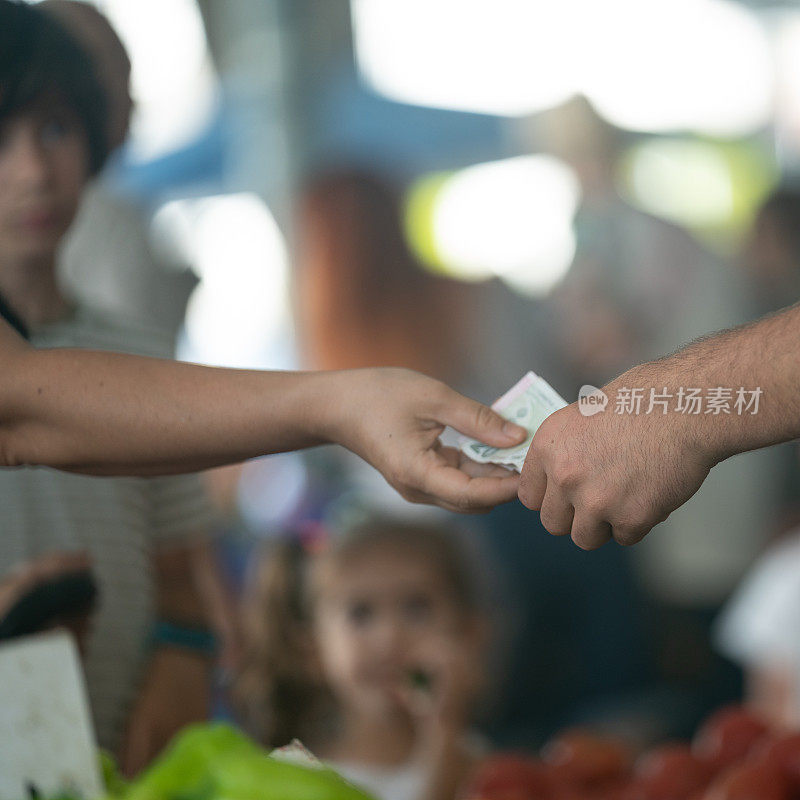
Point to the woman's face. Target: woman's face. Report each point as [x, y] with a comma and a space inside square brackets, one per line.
[372, 613]
[43, 170]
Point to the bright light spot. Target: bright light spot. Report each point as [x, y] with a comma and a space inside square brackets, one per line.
[501, 57]
[664, 65]
[683, 181]
[650, 65]
[173, 81]
[510, 218]
[709, 187]
[240, 310]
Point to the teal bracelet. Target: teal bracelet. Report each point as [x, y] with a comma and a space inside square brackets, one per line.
[197, 639]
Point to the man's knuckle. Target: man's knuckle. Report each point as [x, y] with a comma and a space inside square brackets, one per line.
[595, 504]
[584, 540]
[536, 450]
[530, 498]
[629, 532]
[551, 523]
[639, 511]
[565, 473]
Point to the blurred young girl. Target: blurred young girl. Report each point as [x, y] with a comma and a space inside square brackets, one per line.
[370, 653]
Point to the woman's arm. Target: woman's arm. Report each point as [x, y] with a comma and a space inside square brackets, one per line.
[112, 414]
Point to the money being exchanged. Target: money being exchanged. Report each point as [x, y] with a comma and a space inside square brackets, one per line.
[528, 403]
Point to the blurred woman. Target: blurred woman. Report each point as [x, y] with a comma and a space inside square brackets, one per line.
[143, 539]
[109, 414]
[112, 413]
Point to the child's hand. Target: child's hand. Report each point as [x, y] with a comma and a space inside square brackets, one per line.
[441, 681]
[393, 418]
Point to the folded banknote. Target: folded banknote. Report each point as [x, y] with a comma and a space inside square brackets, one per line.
[528, 403]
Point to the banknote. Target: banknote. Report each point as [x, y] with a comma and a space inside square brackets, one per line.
[528, 403]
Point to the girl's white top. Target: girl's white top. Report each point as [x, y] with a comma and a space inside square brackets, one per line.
[405, 782]
[760, 626]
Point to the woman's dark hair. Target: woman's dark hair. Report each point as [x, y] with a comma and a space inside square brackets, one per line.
[39, 61]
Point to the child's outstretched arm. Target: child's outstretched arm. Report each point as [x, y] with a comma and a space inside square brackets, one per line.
[112, 414]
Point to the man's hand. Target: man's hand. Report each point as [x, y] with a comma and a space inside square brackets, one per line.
[617, 475]
[614, 475]
[393, 418]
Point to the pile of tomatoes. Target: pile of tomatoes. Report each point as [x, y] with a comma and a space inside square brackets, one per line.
[734, 756]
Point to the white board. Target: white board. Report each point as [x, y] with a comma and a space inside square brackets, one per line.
[47, 742]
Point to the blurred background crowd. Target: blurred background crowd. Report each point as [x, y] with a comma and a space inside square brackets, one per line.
[471, 190]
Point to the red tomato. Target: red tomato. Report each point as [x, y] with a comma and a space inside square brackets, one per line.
[671, 772]
[586, 760]
[511, 777]
[728, 736]
[784, 752]
[749, 781]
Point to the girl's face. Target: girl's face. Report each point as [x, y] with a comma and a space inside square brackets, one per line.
[43, 170]
[371, 615]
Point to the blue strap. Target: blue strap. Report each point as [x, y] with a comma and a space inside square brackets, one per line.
[198, 639]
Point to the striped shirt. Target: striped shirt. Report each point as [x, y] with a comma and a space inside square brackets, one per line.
[119, 521]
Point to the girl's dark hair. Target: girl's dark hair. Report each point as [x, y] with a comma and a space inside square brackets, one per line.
[279, 693]
[39, 61]
[275, 694]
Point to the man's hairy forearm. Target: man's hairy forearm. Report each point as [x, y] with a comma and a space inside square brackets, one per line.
[762, 355]
[144, 415]
[597, 476]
